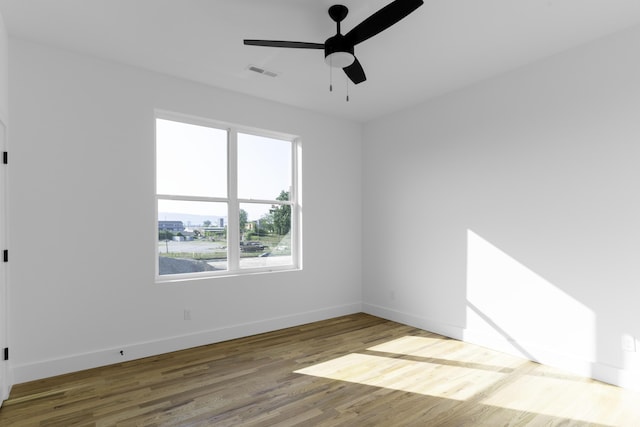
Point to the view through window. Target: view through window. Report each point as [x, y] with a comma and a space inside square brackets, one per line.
[226, 199]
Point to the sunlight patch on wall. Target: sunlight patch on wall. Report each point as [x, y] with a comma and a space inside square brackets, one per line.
[508, 301]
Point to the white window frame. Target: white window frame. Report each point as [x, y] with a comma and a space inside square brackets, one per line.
[233, 201]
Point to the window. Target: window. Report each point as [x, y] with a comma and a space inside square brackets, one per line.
[227, 199]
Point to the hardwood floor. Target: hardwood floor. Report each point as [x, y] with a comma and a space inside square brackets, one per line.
[354, 370]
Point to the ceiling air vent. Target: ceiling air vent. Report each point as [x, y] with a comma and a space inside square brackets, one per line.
[262, 71]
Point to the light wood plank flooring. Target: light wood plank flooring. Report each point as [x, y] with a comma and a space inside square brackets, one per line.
[354, 370]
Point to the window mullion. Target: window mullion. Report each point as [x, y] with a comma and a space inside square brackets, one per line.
[266, 201]
[296, 203]
[233, 233]
[191, 198]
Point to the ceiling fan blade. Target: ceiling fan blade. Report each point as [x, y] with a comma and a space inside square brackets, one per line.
[382, 19]
[355, 72]
[279, 43]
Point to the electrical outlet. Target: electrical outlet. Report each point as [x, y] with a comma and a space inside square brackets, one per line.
[629, 343]
[187, 314]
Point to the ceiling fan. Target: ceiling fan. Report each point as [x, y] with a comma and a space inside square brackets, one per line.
[339, 49]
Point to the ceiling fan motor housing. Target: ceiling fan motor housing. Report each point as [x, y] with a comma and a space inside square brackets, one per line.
[338, 52]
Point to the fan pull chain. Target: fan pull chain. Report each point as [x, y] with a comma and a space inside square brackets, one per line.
[347, 80]
[331, 75]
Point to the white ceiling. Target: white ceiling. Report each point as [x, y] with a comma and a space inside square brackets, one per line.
[442, 46]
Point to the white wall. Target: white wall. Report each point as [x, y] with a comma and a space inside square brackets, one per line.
[511, 211]
[4, 72]
[82, 200]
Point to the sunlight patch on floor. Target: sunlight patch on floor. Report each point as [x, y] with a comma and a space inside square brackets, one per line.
[546, 393]
[451, 369]
[433, 379]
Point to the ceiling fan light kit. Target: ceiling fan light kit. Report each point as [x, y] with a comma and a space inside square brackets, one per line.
[339, 59]
[339, 49]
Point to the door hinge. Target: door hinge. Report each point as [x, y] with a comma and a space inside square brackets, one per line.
[6, 353]
[6, 255]
[5, 157]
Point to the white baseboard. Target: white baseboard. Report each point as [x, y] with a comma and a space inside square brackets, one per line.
[94, 359]
[586, 368]
[5, 385]
[48, 368]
